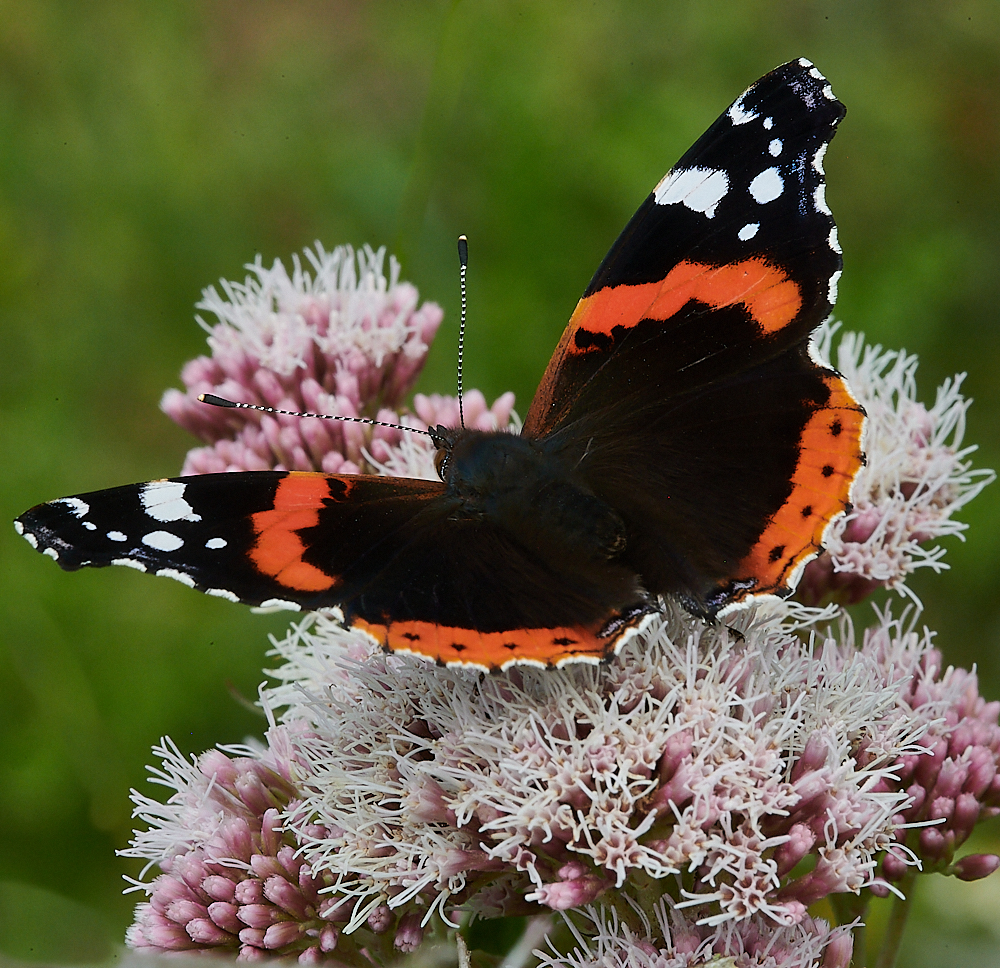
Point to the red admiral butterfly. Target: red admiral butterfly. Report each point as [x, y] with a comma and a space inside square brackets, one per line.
[682, 442]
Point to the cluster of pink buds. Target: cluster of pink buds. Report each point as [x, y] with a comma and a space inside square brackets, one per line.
[239, 885]
[953, 782]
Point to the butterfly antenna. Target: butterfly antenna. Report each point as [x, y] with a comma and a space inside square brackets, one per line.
[463, 265]
[215, 401]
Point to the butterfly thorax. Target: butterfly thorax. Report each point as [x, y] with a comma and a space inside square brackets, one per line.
[514, 483]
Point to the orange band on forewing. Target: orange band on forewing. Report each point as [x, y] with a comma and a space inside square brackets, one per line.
[493, 650]
[279, 549]
[821, 488]
[769, 296]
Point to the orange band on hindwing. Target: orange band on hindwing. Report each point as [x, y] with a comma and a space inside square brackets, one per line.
[494, 650]
[829, 459]
[771, 298]
[279, 548]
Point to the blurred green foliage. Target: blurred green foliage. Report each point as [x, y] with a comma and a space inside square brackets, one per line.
[148, 149]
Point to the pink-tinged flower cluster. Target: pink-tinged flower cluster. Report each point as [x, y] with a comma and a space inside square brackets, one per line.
[693, 755]
[233, 879]
[627, 936]
[953, 782]
[342, 340]
[916, 478]
[701, 764]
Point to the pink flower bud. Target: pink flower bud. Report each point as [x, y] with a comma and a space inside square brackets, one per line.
[168, 889]
[254, 936]
[282, 933]
[950, 778]
[409, 934]
[204, 931]
[839, 951]
[252, 953]
[941, 808]
[254, 794]
[237, 836]
[311, 956]
[328, 938]
[982, 770]
[270, 831]
[218, 887]
[572, 870]
[225, 916]
[182, 911]
[563, 895]
[965, 816]
[381, 919]
[879, 888]
[930, 763]
[286, 896]
[339, 909]
[216, 764]
[249, 891]
[974, 866]
[800, 842]
[171, 937]
[266, 865]
[918, 794]
[893, 867]
[933, 844]
[259, 915]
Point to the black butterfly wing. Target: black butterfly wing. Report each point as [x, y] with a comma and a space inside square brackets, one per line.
[683, 390]
[397, 555]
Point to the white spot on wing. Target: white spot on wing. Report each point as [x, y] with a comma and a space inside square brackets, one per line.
[739, 114]
[279, 604]
[177, 576]
[164, 501]
[29, 537]
[819, 199]
[75, 505]
[767, 186]
[805, 62]
[828, 93]
[775, 147]
[129, 563]
[222, 593]
[214, 543]
[815, 72]
[162, 541]
[117, 536]
[90, 526]
[700, 189]
[768, 123]
[834, 241]
[18, 527]
[748, 231]
[832, 292]
[52, 553]
[818, 157]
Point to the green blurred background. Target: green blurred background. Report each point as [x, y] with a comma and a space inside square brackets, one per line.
[146, 149]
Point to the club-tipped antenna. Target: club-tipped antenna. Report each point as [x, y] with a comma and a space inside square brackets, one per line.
[463, 265]
[216, 401]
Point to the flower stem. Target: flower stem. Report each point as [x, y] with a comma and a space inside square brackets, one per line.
[897, 922]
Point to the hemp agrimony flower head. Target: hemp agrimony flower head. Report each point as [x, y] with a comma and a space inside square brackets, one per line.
[344, 340]
[688, 800]
[917, 476]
